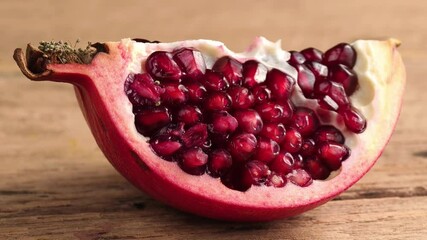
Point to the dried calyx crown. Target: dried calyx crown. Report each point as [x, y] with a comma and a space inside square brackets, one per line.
[64, 52]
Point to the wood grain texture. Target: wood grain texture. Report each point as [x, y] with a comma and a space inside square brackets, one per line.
[56, 184]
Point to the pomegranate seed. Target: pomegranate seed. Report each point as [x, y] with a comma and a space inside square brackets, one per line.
[261, 94]
[354, 120]
[296, 58]
[191, 62]
[275, 112]
[319, 70]
[342, 53]
[150, 120]
[254, 173]
[214, 81]
[253, 73]
[217, 101]
[241, 98]
[140, 88]
[316, 169]
[280, 84]
[298, 161]
[219, 162]
[267, 150]
[321, 88]
[189, 115]
[242, 146]
[283, 163]
[165, 146]
[274, 131]
[174, 94]
[172, 130]
[328, 133]
[345, 76]
[196, 92]
[230, 68]
[335, 97]
[249, 121]
[223, 123]
[332, 154]
[275, 180]
[193, 161]
[308, 147]
[161, 66]
[306, 80]
[300, 178]
[195, 136]
[312, 54]
[305, 121]
[292, 142]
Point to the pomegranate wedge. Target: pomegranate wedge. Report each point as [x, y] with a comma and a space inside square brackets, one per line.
[252, 136]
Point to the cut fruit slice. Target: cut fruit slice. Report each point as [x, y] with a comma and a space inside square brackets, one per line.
[195, 126]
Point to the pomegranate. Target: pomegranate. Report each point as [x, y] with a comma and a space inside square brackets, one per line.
[250, 136]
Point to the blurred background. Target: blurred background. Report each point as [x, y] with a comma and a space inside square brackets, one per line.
[297, 23]
[56, 184]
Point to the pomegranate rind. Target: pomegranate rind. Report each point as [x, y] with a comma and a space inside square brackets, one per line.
[99, 89]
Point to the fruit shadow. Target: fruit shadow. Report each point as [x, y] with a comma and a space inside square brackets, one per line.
[108, 198]
[144, 209]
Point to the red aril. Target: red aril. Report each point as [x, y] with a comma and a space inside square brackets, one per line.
[241, 98]
[319, 70]
[275, 180]
[223, 123]
[151, 119]
[261, 94]
[283, 163]
[219, 162]
[242, 146]
[230, 68]
[267, 150]
[191, 62]
[316, 169]
[332, 154]
[172, 132]
[174, 93]
[214, 81]
[296, 58]
[305, 121]
[328, 133]
[196, 91]
[292, 142]
[189, 115]
[249, 121]
[193, 161]
[342, 53]
[280, 84]
[161, 66]
[274, 131]
[253, 72]
[344, 75]
[312, 54]
[306, 80]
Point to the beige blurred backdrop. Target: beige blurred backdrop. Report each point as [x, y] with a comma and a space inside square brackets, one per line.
[297, 23]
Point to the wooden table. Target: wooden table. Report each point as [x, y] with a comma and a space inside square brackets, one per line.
[56, 184]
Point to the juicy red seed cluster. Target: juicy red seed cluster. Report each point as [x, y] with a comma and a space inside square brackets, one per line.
[329, 78]
[237, 120]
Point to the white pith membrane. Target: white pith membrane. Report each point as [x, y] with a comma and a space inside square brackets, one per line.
[375, 99]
